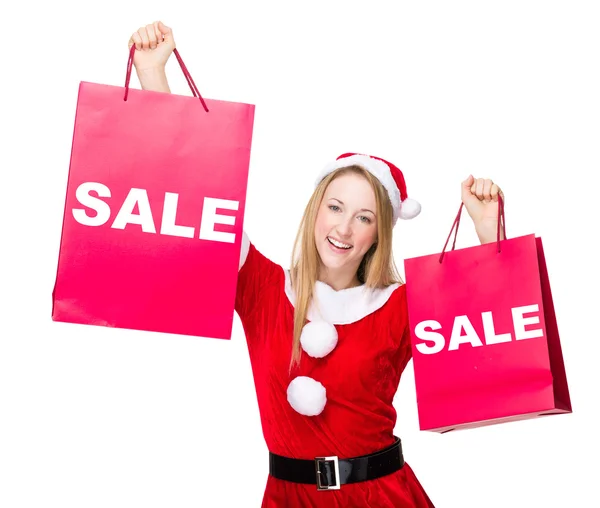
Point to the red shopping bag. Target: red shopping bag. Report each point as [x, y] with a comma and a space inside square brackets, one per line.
[154, 210]
[485, 341]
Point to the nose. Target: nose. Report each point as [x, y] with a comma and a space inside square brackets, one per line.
[344, 227]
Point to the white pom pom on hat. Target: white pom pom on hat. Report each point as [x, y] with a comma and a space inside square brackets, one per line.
[390, 177]
[307, 396]
[318, 338]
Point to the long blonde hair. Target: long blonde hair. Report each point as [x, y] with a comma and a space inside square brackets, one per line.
[377, 268]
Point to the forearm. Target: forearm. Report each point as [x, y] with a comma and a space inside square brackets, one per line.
[154, 79]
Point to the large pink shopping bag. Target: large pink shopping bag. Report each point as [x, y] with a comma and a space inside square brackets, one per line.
[154, 210]
[485, 341]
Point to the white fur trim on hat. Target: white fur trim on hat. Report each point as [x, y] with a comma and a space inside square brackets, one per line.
[318, 338]
[307, 396]
[409, 209]
[377, 168]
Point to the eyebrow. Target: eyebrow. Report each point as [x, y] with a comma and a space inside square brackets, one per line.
[361, 210]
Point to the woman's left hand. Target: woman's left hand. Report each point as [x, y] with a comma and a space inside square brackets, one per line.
[480, 197]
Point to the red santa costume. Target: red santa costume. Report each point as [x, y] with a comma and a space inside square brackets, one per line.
[338, 404]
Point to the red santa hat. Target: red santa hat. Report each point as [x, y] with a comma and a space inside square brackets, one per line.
[390, 177]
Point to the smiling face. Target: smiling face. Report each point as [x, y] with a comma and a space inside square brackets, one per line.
[345, 228]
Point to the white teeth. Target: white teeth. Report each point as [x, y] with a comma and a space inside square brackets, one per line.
[339, 244]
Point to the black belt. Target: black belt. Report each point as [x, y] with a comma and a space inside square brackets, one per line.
[329, 473]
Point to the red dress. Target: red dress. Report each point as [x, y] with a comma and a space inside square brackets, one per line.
[360, 375]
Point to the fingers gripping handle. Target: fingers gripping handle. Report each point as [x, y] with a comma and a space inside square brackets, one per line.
[186, 73]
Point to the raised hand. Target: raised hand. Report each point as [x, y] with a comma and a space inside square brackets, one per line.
[480, 197]
[154, 44]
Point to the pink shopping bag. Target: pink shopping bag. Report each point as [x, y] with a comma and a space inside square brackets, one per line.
[154, 210]
[485, 340]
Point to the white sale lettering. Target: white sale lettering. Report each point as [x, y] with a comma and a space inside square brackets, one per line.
[520, 321]
[457, 338]
[434, 342]
[210, 218]
[489, 329]
[102, 209]
[144, 217]
[126, 216]
[168, 226]
[423, 334]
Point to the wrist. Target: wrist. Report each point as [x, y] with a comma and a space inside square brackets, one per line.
[153, 69]
[153, 78]
[487, 232]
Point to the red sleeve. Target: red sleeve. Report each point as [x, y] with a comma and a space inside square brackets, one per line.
[257, 274]
[403, 322]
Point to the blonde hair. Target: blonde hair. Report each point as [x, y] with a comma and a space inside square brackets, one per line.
[377, 268]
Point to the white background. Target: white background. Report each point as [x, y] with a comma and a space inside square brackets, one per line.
[94, 417]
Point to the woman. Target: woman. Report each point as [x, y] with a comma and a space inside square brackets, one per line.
[329, 339]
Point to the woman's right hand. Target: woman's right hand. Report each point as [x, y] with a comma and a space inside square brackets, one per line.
[154, 44]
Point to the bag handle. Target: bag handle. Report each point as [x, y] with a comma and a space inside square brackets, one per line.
[186, 73]
[501, 223]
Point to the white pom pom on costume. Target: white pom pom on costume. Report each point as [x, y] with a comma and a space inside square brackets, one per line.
[409, 209]
[307, 396]
[318, 338]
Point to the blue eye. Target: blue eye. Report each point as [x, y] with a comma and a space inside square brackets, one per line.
[363, 218]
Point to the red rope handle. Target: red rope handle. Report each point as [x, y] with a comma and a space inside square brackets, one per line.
[185, 70]
[501, 224]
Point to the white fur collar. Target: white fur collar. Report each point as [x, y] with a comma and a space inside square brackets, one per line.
[341, 307]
